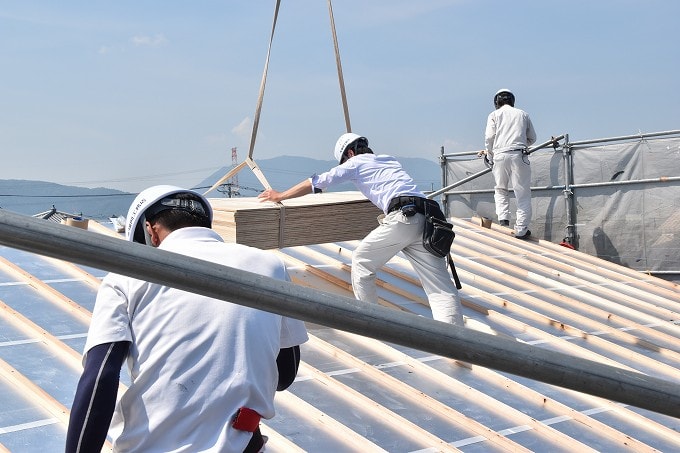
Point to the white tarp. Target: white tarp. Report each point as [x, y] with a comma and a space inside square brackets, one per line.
[637, 224]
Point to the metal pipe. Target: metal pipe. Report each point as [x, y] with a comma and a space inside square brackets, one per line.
[487, 170]
[574, 145]
[626, 183]
[661, 179]
[464, 153]
[482, 191]
[442, 167]
[624, 137]
[568, 160]
[531, 149]
[252, 290]
[459, 183]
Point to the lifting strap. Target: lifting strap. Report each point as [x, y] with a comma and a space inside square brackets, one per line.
[345, 109]
[256, 121]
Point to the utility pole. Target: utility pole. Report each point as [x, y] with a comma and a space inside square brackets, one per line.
[232, 184]
[231, 187]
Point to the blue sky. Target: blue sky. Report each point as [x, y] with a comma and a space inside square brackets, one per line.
[128, 94]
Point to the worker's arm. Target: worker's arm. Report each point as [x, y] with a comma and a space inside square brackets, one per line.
[288, 362]
[531, 133]
[95, 397]
[298, 190]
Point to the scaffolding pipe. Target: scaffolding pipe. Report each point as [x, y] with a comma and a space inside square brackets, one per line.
[442, 165]
[459, 183]
[659, 180]
[461, 154]
[567, 158]
[487, 170]
[624, 137]
[253, 290]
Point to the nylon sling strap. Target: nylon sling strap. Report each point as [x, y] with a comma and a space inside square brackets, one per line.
[256, 120]
[341, 80]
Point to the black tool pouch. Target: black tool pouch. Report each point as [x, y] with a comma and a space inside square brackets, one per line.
[438, 236]
[438, 233]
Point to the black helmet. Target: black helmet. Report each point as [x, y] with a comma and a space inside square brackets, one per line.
[502, 97]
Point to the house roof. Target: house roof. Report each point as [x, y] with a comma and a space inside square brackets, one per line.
[354, 393]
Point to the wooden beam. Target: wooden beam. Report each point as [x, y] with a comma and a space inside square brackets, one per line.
[421, 399]
[363, 403]
[478, 398]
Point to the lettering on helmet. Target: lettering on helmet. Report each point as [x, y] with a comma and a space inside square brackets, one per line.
[135, 212]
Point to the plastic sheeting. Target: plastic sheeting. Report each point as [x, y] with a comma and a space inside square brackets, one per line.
[631, 219]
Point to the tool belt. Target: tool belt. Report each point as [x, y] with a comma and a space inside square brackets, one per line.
[437, 232]
[410, 205]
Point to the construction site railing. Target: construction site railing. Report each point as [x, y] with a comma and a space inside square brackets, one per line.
[486, 170]
[567, 187]
[285, 298]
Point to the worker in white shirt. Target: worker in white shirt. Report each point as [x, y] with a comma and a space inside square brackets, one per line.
[203, 371]
[509, 132]
[384, 182]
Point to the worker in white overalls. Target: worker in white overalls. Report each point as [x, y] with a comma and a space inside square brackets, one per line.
[385, 183]
[509, 132]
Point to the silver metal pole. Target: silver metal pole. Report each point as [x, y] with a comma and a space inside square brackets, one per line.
[568, 160]
[252, 290]
[661, 179]
[624, 137]
[464, 153]
[459, 183]
[442, 166]
[487, 170]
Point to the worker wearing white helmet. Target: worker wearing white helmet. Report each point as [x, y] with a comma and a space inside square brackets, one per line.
[509, 132]
[203, 371]
[384, 182]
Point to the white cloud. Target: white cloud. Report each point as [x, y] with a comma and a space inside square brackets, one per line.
[243, 129]
[148, 41]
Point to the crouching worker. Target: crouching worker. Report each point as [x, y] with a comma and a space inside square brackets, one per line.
[203, 371]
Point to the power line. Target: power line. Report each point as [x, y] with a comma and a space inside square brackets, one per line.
[68, 196]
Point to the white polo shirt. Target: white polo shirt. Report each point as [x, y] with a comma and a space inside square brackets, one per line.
[194, 360]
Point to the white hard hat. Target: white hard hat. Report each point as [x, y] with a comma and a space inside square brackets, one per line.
[502, 97]
[342, 143]
[147, 198]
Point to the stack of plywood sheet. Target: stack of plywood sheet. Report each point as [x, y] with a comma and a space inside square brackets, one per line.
[311, 219]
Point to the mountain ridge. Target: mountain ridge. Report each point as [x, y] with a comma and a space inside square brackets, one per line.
[33, 197]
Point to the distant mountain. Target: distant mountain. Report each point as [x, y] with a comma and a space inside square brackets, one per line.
[34, 197]
[285, 171]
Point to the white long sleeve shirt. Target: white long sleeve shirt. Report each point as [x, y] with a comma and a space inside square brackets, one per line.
[508, 128]
[379, 178]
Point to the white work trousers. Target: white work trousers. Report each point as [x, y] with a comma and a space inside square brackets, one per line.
[513, 167]
[400, 233]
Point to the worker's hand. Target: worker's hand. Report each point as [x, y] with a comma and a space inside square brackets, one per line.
[481, 153]
[270, 195]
